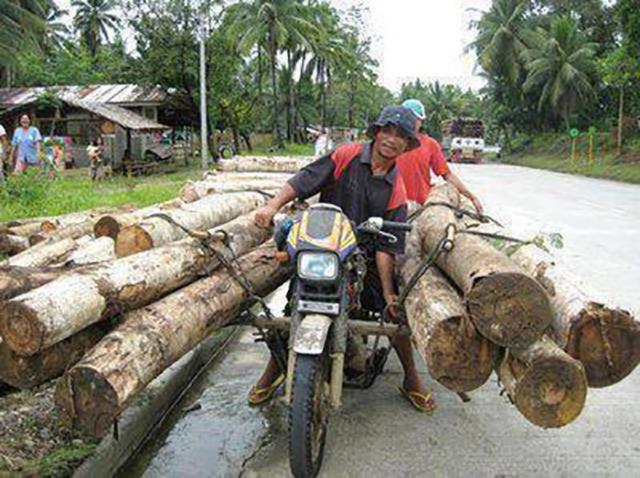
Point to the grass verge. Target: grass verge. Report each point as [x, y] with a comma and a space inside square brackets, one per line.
[604, 167]
[33, 194]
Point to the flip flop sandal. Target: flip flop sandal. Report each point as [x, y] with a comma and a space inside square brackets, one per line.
[258, 396]
[415, 398]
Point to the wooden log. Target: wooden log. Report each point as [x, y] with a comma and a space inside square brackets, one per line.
[195, 190]
[15, 281]
[456, 355]
[46, 315]
[507, 306]
[111, 224]
[94, 392]
[264, 164]
[11, 244]
[98, 250]
[25, 230]
[546, 385]
[28, 372]
[47, 253]
[606, 340]
[72, 219]
[200, 215]
[240, 176]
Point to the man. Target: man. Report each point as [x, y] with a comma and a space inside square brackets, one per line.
[4, 149]
[415, 166]
[362, 180]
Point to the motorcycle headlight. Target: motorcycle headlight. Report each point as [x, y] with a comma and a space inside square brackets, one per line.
[318, 266]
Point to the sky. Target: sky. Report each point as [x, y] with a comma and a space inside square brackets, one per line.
[422, 39]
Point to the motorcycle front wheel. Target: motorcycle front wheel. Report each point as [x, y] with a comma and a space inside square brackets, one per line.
[308, 415]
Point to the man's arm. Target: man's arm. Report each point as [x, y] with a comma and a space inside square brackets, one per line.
[386, 263]
[264, 215]
[455, 181]
[306, 183]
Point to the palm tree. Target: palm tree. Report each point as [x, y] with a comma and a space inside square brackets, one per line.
[93, 20]
[561, 64]
[56, 31]
[21, 22]
[272, 23]
[502, 37]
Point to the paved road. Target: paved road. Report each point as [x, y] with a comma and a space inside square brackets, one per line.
[377, 434]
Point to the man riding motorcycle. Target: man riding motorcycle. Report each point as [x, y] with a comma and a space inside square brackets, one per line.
[362, 180]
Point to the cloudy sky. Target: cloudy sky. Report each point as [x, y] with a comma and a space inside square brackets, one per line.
[418, 39]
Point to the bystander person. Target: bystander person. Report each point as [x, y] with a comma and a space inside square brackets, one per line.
[27, 145]
[4, 149]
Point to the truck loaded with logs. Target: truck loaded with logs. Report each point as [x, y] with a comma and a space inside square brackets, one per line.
[106, 300]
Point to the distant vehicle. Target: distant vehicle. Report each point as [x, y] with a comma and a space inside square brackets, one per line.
[463, 140]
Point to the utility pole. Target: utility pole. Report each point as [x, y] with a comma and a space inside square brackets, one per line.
[202, 36]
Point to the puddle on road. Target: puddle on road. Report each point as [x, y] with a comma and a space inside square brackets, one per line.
[212, 431]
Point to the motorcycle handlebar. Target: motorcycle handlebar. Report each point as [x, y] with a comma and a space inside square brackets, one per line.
[399, 226]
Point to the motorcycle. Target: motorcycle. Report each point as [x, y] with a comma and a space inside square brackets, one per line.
[334, 341]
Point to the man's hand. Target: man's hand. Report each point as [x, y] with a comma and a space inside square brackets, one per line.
[392, 304]
[264, 215]
[478, 205]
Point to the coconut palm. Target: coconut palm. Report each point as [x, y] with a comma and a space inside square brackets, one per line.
[93, 20]
[21, 22]
[271, 23]
[560, 65]
[502, 37]
[56, 30]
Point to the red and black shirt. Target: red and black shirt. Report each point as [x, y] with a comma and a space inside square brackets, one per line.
[344, 178]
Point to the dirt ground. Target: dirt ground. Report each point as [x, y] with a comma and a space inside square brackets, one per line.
[32, 441]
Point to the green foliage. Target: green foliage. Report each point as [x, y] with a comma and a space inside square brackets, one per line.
[21, 23]
[442, 102]
[94, 19]
[560, 65]
[25, 193]
[32, 194]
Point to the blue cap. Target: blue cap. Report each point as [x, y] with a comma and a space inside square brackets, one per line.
[416, 107]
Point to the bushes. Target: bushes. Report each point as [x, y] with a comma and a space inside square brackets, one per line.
[25, 194]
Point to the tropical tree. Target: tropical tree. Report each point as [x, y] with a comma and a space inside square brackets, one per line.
[502, 37]
[93, 20]
[271, 23]
[22, 22]
[56, 30]
[561, 65]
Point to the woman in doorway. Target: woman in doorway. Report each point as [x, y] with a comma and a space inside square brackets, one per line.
[27, 145]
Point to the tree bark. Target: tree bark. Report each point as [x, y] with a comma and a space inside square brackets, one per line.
[111, 224]
[47, 253]
[508, 307]
[203, 214]
[98, 250]
[456, 355]
[94, 392]
[18, 280]
[620, 119]
[12, 245]
[44, 316]
[264, 164]
[605, 340]
[195, 190]
[546, 385]
[28, 372]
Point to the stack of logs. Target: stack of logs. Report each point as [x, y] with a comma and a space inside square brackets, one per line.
[522, 315]
[112, 298]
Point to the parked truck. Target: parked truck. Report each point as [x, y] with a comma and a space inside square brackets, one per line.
[463, 140]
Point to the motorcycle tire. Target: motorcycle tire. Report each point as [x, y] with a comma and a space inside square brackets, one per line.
[308, 415]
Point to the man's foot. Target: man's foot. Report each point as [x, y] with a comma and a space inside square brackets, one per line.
[259, 395]
[267, 384]
[421, 401]
[417, 395]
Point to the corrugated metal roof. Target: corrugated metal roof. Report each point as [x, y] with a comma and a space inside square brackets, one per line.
[122, 116]
[112, 94]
